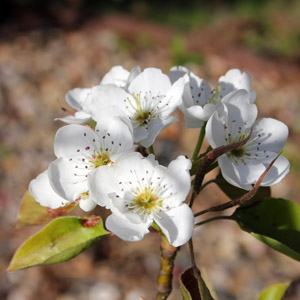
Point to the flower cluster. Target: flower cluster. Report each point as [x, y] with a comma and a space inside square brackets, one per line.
[98, 164]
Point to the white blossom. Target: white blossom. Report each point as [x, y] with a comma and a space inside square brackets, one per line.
[199, 100]
[139, 192]
[80, 98]
[81, 150]
[148, 103]
[232, 122]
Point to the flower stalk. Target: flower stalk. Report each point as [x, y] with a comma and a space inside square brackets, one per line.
[165, 275]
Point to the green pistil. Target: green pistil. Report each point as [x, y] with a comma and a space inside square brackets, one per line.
[215, 97]
[239, 152]
[143, 118]
[145, 201]
[99, 160]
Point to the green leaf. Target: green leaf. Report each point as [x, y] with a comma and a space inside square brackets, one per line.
[59, 241]
[274, 292]
[275, 222]
[234, 192]
[32, 213]
[193, 288]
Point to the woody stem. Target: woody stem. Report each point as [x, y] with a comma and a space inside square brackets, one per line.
[164, 279]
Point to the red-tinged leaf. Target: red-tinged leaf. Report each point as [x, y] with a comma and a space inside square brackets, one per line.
[32, 213]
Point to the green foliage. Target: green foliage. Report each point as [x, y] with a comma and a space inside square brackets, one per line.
[59, 241]
[32, 213]
[180, 55]
[193, 288]
[275, 222]
[274, 292]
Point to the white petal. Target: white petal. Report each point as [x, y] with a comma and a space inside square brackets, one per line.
[104, 96]
[126, 230]
[80, 117]
[177, 72]
[76, 97]
[272, 134]
[133, 73]
[117, 75]
[67, 180]
[230, 173]
[154, 128]
[151, 79]
[73, 139]
[179, 174]
[140, 133]
[215, 133]
[234, 79]
[177, 224]
[191, 122]
[43, 193]
[202, 113]
[173, 98]
[87, 204]
[101, 183]
[120, 132]
[277, 172]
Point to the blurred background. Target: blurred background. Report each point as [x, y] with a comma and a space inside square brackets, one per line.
[48, 47]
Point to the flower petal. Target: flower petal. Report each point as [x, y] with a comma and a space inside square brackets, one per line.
[117, 75]
[80, 117]
[278, 171]
[234, 79]
[230, 173]
[271, 134]
[120, 132]
[87, 204]
[151, 79]
[76, 97]
[177, 224]
[67, 180]
[43, 193]
[202, 113]
[178, 170]
[126, 230]
[73, 139]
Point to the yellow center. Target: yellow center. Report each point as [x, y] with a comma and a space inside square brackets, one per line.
[99, 159]
[146, 201]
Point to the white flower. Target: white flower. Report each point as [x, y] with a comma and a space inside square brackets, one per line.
[80, 151]
[79, 98]
[232, 122]
[199, 101]
[139, 192]
[148, 103]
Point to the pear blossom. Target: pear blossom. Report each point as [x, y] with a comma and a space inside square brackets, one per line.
[81, 150]
[233, 121]
[199, 100]
[148, 103]
[139, 192]
[78, 98]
